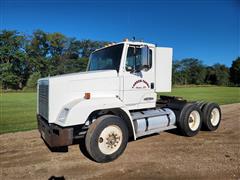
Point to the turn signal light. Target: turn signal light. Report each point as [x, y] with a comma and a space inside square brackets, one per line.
[87, 96]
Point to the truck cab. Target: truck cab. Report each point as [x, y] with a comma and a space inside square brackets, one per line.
[115, 101]
[135, 64]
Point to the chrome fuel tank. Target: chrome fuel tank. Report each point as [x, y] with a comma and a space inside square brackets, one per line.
[153, 121]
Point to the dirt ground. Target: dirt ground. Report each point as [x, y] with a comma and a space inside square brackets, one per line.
[209, 155]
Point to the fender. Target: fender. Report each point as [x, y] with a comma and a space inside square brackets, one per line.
[79, 110]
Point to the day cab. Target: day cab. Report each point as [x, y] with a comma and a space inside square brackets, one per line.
[115, 101]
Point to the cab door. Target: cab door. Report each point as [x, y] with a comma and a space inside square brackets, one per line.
[139, 78]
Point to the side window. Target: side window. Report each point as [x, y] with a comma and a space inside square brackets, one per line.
[130, 58]
[133, 59]
[138, 60]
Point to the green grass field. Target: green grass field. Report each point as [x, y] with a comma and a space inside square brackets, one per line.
[220, 95]
[18, 110]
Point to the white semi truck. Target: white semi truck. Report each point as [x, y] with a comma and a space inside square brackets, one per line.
[115, 101]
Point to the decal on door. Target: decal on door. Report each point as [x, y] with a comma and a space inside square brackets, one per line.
[140, 84]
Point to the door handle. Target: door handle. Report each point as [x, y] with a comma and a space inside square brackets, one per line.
[152, 85]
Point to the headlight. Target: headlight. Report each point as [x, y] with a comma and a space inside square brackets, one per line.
[62, 116]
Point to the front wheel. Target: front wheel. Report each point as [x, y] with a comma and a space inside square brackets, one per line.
[106, 138]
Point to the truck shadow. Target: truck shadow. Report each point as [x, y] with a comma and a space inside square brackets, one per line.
[56, 178]
[62, 149]
[174, 131]
[146, 136]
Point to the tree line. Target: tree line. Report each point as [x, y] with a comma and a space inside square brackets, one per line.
[26, 58]
[193, 71]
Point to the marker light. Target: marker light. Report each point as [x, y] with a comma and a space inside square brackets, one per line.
[87, 96]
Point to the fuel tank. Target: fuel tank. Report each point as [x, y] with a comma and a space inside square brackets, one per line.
[153, 121]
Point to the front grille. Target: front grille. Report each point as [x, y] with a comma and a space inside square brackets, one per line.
[43, 100]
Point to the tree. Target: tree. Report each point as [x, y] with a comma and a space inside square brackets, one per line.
[217, 74]
[9, 79]
[14, 67]
[235, 72]
[71, 61]
[211, 77]
[74, 49]
[73, 65]
[222, 74]
[88, 46]
[188, 71]
[38, 45]
[57, 49]
[195, 70]
[32, 80]
[23, 57]
[37, 50]
[11, 45]
[179, 76]
[57, 44]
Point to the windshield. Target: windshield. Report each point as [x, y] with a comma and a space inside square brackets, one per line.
[107, 58]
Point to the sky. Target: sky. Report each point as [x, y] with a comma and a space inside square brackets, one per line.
[205, 29]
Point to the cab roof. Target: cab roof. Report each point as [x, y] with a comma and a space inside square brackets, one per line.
[140, 43]
[137, 43]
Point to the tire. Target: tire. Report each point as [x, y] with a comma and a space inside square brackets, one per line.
[211, 116]
[83, 149]
[190, 120]
[106, 138]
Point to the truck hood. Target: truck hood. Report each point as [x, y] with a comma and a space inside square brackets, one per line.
[59, 91]
[82, 75]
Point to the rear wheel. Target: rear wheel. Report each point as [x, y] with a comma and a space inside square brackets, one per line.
[190, 120]
[106, 138]
[211, 116]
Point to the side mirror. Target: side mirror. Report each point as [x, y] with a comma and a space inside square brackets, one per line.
[145, 51]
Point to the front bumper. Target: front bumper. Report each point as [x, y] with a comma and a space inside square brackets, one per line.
[53, 135]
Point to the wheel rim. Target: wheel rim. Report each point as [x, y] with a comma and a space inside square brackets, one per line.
[215, 117]
[110, 139]
[194, 120]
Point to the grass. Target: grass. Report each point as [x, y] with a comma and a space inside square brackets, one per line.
[18, 110]
[220, 95]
